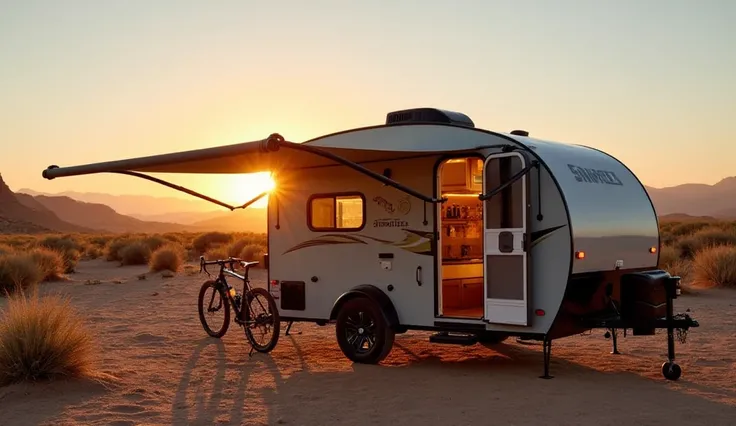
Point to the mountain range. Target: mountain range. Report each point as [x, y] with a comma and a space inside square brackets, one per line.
[31, 212]
[28, 211]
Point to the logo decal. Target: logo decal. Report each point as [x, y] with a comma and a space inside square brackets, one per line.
[404, 205]
[583, 174]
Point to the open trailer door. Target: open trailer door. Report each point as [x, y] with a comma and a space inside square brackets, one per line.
[505, 213]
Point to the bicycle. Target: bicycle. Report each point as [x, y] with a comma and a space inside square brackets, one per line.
[229, 296]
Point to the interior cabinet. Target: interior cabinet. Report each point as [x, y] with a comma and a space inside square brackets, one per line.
[455, 174]
[462, 293]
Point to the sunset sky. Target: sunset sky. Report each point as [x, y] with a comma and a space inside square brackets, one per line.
[651, 82]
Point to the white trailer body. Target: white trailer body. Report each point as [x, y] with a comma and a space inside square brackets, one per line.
[568, 236]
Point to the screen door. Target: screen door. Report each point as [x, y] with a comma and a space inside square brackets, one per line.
[505, 226]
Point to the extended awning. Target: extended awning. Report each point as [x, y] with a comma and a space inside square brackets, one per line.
[270, 154]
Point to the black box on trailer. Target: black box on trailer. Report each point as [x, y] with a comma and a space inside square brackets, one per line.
[643, 299]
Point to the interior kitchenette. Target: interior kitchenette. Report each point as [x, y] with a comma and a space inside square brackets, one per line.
[461, 239]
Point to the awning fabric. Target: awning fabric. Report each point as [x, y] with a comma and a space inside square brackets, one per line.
[270, 154]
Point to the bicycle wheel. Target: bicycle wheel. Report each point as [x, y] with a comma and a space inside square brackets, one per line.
[262, 313]
[211, 306]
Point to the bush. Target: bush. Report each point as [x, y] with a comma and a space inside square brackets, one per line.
[69, 249]
[113, 250]
[707, 237]
[169, 257]
[216, 254]
[42, 339]
[715, 267]
[50, 263]
[204, 242]
[18, 272]
[137, 253]
[253, 252]
[154, 242]
[667, 256]
[6, 249]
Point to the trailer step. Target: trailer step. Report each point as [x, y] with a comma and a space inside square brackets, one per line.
[454, 339]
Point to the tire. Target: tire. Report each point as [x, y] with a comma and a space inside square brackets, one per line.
[275, 323]
[671, 371]
[225, 305]
[349, 327]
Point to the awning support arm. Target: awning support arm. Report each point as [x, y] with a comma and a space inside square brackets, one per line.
[514, 178]
[357, 167]
[190, 192]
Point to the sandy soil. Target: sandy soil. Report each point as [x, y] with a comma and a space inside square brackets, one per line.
[169, 372]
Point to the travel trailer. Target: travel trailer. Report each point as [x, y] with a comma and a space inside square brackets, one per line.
[428, 223]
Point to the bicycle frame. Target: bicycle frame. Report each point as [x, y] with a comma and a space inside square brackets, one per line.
[221, 283]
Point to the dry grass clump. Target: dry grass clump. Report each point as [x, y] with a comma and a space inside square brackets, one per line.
[68, 247]
[6, 249]
[698, 251]
[115, 246]
[704, 238]
[204, 242]
[43, 338]
[169, 257]
[715, 267]
[18, 272]
[136, 253]
[50, 263]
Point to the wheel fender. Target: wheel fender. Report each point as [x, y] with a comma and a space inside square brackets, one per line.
[373, 293]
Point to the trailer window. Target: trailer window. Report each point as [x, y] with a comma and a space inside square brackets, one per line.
[332, 212]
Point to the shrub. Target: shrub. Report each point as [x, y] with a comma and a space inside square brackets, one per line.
[50, 263]
[113, 250]
[68, 247]
[136, 253]
[204, 242]
[93, 252]
[707, 237]
[18, 272]
[154, 242]
[216, 254]
[253, 252]
[169, 257]
[6, 249]
[42, 339]
[667, 256]
[715, 267]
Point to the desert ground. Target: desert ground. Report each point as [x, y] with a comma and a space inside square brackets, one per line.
[165, 370]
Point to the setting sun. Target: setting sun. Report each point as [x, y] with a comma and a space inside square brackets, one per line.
[246, 186]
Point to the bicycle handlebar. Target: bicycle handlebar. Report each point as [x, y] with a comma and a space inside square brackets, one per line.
[231, 261]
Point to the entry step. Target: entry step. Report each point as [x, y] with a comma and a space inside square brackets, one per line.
[454, 338]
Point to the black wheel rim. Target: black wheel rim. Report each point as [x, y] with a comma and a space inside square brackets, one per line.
[260, 314]
[212, 307]
[360, 332]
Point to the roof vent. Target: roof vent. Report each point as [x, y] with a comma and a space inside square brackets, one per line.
[429, 115]
[520, 132]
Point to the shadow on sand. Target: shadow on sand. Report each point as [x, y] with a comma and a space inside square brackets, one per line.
[422, 384]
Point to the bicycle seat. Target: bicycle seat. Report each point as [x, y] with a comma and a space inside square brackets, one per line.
[246, 264]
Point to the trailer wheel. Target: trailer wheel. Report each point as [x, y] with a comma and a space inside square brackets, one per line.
[362, 331]
[671, 371]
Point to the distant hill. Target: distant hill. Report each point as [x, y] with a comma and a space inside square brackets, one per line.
[19, 217]
[134, 204]
[248, 220]
[717, 200]
[98, 216]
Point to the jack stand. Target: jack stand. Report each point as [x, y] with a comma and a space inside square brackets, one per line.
[547, 352]
[613, 333]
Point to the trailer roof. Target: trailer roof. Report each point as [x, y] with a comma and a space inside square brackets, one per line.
[356, 145]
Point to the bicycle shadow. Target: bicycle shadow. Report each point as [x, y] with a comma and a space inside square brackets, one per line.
[207, 404]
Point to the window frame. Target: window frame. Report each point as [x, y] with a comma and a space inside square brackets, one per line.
[334, 196]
